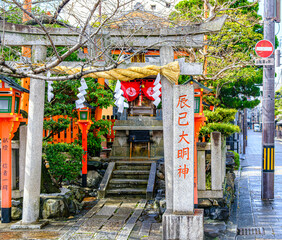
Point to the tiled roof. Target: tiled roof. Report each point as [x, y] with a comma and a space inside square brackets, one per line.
[13, 84]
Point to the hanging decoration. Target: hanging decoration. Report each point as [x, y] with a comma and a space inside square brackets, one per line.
[81, 94]
[120, 98]
[131, 90]
[50, 94]
[147, 90]
[157, 91]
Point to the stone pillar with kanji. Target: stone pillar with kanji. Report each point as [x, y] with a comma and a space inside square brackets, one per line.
[183, 221]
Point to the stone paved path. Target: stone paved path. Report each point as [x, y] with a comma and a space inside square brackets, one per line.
[109, 219]
[114, 219]
[251, 210]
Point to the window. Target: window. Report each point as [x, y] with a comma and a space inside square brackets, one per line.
[17, 103]
[5, 104]
[83, 115]
[153, 7]
[197, 105]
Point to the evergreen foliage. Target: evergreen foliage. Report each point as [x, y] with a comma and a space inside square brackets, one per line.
[64, 104]
[65, 161]
[231, 72]
[278, 104]
[219, 121]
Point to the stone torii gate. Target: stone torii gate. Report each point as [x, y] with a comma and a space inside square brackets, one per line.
[163, 38]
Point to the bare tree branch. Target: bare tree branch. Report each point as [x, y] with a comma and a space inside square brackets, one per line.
[59, 9]
[41, 25]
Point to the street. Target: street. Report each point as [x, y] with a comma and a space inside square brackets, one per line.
[252, 212]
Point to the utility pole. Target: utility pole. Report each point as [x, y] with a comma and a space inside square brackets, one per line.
[245, 129]
[268, 124]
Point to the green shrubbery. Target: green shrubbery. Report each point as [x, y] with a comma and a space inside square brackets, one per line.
[64, 160]
[226, 129]
[222, 115]
[219, 121]
[236, 159]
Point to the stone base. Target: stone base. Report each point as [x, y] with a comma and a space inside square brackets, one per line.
[35, 225]
[183, 227]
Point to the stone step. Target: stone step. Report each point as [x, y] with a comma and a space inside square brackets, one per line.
[127, 183]
[132, 181]
[131, 174]
[133, 167]
[134, 163]
[126, 191]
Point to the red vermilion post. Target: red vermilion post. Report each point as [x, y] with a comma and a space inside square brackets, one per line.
[6, 171]
[84, 159]
[26, 52]
[8, 127]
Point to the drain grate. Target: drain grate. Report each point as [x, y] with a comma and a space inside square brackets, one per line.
[250, 231]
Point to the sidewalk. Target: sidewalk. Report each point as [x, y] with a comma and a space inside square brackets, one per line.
[255, 218]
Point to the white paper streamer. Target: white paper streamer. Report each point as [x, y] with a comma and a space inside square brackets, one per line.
[157, 102]
[83, 84]
[120, 100]
[50, 94]
[81, 94]
[157, 92]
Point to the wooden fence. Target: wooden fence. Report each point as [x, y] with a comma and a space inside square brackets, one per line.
[71, 133]
[211, 156]
[111, 133]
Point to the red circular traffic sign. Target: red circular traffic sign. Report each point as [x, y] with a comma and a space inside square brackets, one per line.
[264, 48]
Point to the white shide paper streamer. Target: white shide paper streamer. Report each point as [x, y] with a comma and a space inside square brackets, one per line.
[157, 92]
[50, 93]
[120, 103]
[81, 94]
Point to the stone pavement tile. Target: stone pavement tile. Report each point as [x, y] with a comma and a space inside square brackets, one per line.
[106, 235]
[268, 216]
[56, 227]
[66, 228]
[246, 237]
[108, 209]
[245, 220]
[134, 235]
[267, 237]
[264, 210]
[81, 236]
[129, 226]
[93, 224]
[269, 224]
[245, 209]
[258, 220]
[156, 230]
[245, 200]
[277, 230]
[95, 208]
[116, 219]
[113, 225]
[126, 208]
[145, 229]
[68, 233]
